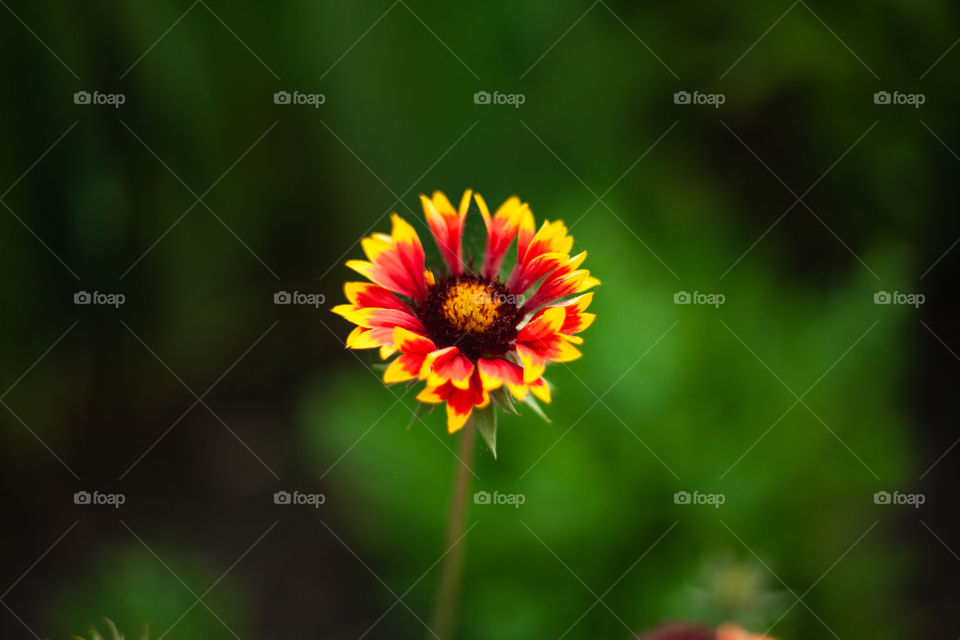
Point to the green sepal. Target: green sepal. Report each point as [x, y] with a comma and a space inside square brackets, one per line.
[532, 402]
[113, 629]
[423, 408]
[504, 400]
[485, 420]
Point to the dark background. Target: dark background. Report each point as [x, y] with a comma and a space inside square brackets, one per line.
[198, 398]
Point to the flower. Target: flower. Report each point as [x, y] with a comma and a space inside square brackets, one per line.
[467, 332]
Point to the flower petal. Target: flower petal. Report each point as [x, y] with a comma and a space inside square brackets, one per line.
[564, 281]
[376, 244]
[460, 402]
[540, 340]
[533, 363]
[519, 391]
[550, 238]
[374, 318]
[576, 319]
[360, 338]
[405, 367]
[396, 261]
[453, 366]
[431, 395]
[427, 370]
[459, 407]
[362, 267]
[402, 231]
[367, 294]
[501, 230]
[496, 371]
[541, 389]
[561, 350]
[410, 342]
[544, 324]
[446, 225]
[522, 279]
[387, 350]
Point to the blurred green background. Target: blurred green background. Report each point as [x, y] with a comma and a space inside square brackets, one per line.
[199, 197]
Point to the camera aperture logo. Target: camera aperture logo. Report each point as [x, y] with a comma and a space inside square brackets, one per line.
[711, 299]
[910, 99]
[101, 99]
[712, 499]
[912, 299]
[312, 99]
[297, 498]
[485, 97]
[712, 99]
[108, 299]
[513, 499]
[312, 299]
[97, 498]
[912, 499]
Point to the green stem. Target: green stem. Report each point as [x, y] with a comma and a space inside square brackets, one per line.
[448, 596]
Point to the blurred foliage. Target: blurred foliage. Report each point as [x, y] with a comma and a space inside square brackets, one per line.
[667, 397]
[140, 588]
[114, 632]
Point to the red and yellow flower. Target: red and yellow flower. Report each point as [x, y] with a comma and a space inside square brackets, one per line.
[468, 332]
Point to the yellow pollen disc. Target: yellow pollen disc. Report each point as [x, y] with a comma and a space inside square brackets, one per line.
[471, 306]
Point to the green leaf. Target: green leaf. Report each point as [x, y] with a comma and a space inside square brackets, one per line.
[485, 420]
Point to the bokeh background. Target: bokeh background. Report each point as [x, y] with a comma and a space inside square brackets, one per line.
[798, 199]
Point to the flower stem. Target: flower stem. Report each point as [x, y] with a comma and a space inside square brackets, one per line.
[448, 595]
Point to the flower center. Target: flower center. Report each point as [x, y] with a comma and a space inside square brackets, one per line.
[471, 306]
[476, 315]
